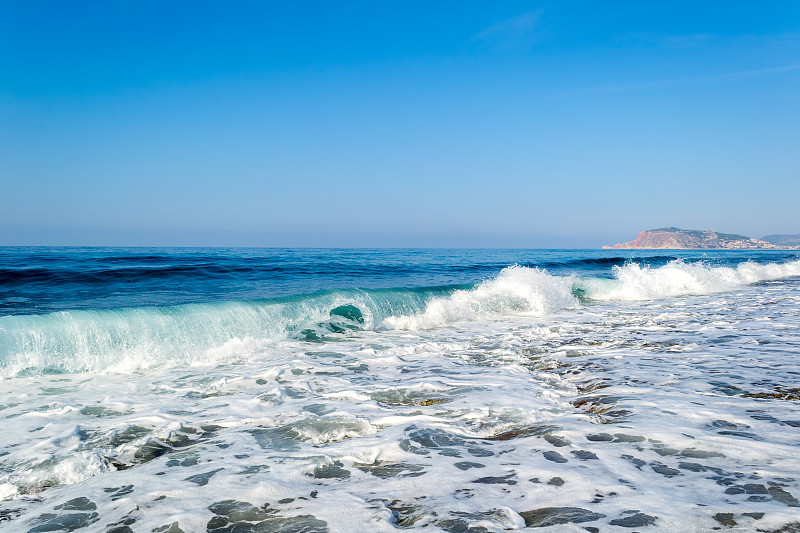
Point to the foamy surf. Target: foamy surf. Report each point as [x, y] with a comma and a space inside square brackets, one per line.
[562, 394]
[679, 278]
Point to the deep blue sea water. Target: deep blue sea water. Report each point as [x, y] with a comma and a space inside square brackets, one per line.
[316, 390]
[36, 280]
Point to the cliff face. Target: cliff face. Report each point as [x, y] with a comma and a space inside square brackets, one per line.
[672, 238]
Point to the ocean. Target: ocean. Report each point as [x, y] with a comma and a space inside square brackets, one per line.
[310, 390]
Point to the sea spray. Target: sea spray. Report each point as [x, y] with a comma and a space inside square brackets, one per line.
[516, 290]
[679, 278]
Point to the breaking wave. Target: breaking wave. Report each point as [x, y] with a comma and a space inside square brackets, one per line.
[677, 278]
[134, 339]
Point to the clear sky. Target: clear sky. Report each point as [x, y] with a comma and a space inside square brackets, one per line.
[396, 123]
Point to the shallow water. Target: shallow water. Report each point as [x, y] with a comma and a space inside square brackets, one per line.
[636, 393]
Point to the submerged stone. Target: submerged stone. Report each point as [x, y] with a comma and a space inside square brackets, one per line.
[553, 516]
[64, 522]
[480, 452]
[778, 494]
[119, 492]
[254, 469]
[78, 504]
[523, 431]
[497, 480]
[754, 488]
[119, 529]
[663, 452]
[202, 479]
[331, 471]
[699, 454]
[292, 524]
[236, 511]
[664, 470]
[556, 441]
[638, 463]
[152, 449]
[466, 465]
[583, 455]
[622, 437]
[635, 520]
[555, 457]
[726, 519]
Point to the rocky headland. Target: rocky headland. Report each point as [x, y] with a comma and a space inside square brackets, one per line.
[676, 238]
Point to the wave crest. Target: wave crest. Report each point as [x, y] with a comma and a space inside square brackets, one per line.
[128, 340]
[516, 290]
[677, 278]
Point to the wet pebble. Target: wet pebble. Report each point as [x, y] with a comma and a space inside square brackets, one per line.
[466, 465]
[664, 470]
[784, 497]
[555, 457]
[600, 437]
[553, 516]
[584, 455]
[634, 520]
[556, 441]
[726, 519]
[497, 480]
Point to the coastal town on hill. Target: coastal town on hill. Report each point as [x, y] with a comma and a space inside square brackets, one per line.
[675, 238]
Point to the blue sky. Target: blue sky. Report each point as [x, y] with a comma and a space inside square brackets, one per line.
[507, 124]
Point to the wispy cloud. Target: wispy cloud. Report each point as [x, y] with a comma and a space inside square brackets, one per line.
[730, 76]
[511, 33]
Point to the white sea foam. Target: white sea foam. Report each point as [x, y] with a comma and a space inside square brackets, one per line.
[518, 411]
[677, 278]
[516, 290]
[520, 290]
[321, 430]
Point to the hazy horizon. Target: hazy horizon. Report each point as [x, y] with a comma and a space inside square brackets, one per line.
[104, 238]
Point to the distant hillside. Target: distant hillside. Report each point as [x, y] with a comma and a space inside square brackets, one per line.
[676, 238]
[782, 240]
